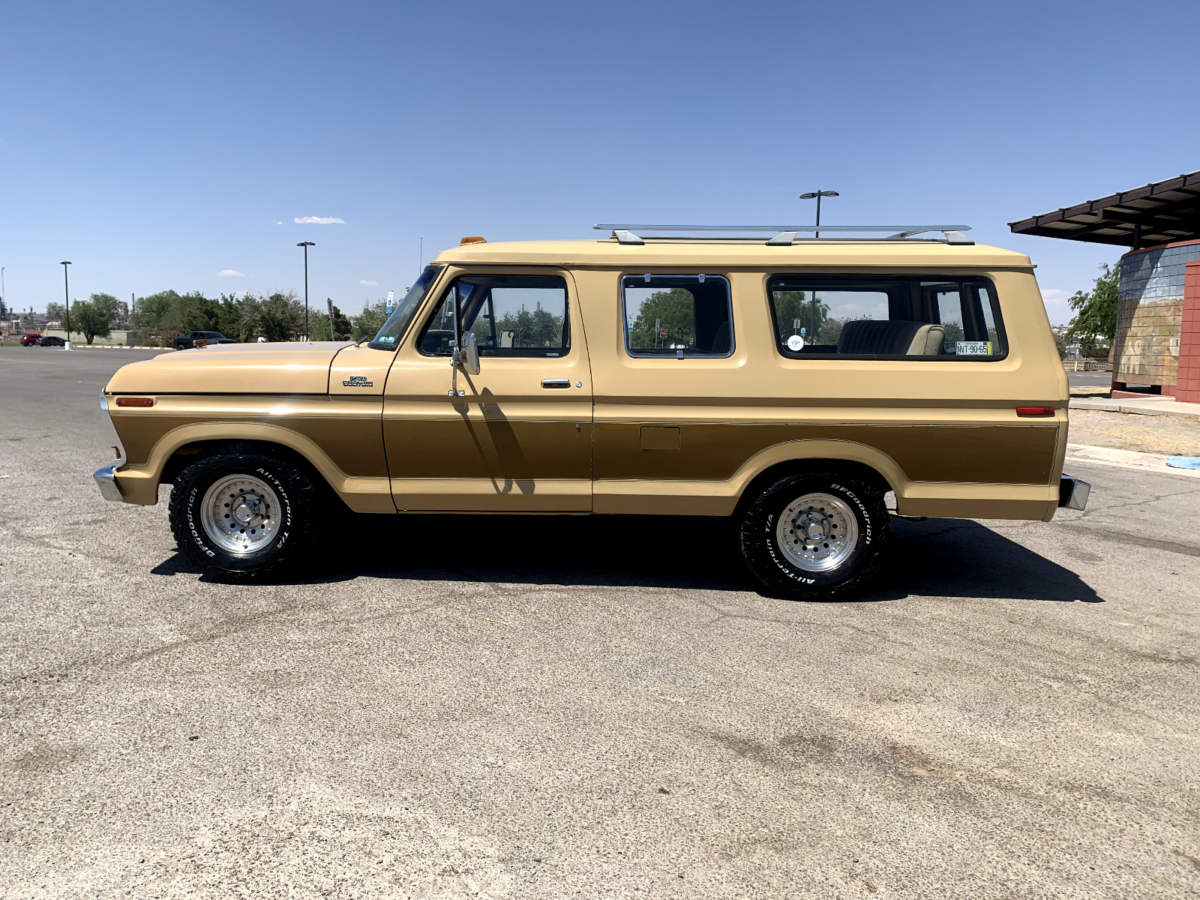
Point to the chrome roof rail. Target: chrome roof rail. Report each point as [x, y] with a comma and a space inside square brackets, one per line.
[784, 235]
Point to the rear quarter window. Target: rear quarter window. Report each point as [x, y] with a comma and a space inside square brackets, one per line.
[929, 317]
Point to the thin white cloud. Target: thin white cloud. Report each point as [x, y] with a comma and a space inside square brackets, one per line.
[278, 223]
[368, 283]
[240, 294]
[1057, 307]
[318, 220]
[232, 273]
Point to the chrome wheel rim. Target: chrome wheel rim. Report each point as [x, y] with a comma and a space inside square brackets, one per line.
[240, 514]
[817, 532]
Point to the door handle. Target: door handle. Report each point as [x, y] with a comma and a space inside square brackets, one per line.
[556, 382]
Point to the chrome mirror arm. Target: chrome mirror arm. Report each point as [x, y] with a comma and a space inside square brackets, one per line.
[455, 362]
[465, 357]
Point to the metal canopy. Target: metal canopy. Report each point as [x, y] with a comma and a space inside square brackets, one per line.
[1161, 213]
[786, 234]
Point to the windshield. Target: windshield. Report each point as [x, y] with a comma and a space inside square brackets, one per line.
[397, 323]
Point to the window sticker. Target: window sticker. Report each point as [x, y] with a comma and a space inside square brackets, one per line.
[795, 343]
[973, 348]
[388, 339]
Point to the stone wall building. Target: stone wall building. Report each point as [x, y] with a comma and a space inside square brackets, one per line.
[1157, 340]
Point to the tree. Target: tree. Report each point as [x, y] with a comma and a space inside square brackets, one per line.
[320, 328]
[93, 317]
[1061, 343]
[1096, 311]
[56, 312]
[674, 310]
[280, 316]
[368, 323]
[539, 328]
[149, 313]
[794, 310]
[191, 312]
[237, 317]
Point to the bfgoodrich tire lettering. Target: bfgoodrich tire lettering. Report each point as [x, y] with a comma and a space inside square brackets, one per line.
[790, 540]
[292, 514]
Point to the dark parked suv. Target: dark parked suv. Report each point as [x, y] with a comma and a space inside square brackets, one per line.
[208, 337]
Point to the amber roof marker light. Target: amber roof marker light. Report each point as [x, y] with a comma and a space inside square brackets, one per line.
[472, 240]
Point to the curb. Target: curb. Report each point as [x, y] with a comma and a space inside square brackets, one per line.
[1117, 406]
[1127, 459]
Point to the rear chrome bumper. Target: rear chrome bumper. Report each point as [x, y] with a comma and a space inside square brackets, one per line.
[106, 480]
[1073, 493]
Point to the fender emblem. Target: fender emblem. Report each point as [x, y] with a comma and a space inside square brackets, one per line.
[358, 381]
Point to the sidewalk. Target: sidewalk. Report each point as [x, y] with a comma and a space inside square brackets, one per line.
[1152, 406]
[1126, 459]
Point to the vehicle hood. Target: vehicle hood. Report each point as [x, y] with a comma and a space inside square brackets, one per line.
[232, 369]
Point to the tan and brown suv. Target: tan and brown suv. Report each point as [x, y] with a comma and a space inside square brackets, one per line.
[788, 382]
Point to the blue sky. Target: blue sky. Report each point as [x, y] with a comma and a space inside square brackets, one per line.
[157, 145]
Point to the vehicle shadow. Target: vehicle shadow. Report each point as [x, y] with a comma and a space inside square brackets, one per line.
[935, 558]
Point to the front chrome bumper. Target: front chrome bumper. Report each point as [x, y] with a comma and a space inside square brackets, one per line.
[106, 480]
[1073, 493]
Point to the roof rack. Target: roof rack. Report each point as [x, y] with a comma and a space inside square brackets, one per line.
[784, 235]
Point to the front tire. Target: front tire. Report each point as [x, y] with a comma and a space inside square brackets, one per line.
[815, 536]
[244, 515]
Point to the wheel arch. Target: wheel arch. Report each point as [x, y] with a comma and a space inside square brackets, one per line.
[178, 447]
[795, 457]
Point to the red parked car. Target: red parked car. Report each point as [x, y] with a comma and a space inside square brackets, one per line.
[28, 340]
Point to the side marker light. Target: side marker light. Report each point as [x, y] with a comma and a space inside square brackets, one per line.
[135, 401]
[1035, 411]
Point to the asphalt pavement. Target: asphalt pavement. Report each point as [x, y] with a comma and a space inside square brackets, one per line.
[482, 706]
[1089, 379]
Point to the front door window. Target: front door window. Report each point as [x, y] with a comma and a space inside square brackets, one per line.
[511, 316]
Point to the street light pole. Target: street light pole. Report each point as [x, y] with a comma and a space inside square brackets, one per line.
[67, 291]
[306, 245]
[816, 234]
[818, 195]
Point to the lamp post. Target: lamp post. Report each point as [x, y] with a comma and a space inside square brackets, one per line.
[67, 291]
[306, 245]
[818, 195]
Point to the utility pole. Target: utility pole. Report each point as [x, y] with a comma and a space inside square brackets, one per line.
[306, 245]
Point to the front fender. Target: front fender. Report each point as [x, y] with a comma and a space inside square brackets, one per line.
[139, 483]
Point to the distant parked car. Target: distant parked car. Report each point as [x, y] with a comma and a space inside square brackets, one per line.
[209, 337]
[28, 340]
[51, 341]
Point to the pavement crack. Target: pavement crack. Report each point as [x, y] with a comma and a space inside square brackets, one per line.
[1136, 540]
[1143, 502]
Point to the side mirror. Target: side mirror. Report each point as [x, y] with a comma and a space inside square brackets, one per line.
[470, 353]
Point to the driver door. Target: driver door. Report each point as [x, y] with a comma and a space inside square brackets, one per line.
[516, 437]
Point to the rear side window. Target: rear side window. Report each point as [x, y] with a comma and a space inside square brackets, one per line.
[677, 315]
[511, 315]
[906, 316]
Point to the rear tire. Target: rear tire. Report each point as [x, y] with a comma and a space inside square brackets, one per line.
[815, 536]
[244, 515]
